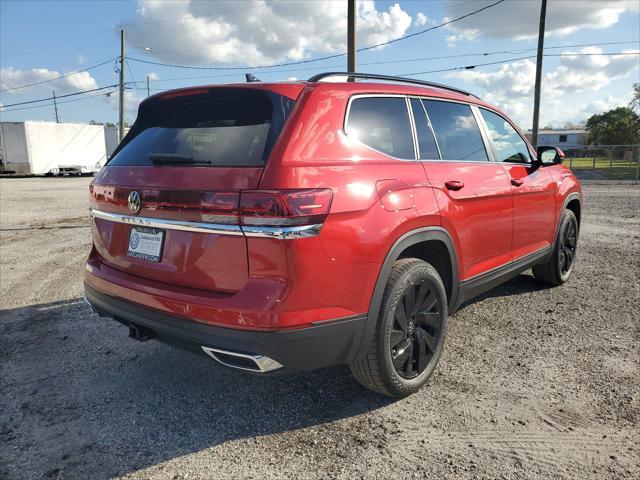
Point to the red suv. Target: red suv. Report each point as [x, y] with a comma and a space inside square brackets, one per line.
[292, 226]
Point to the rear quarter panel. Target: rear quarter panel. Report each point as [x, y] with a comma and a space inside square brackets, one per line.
[342, 264]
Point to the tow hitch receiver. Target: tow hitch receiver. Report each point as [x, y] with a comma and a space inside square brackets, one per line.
[140, 333]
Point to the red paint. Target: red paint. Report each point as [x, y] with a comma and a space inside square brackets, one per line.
[494, 213]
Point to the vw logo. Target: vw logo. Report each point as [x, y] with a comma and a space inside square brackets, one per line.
[134, 202]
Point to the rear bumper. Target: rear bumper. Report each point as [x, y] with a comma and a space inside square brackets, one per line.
[322, 345]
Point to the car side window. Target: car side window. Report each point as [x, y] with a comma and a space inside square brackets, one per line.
[426, 142]
[456, 131]
[382, 123]
[509, 145]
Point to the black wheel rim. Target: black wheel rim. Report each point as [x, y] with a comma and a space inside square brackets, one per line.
[415, 334]
[568, 248]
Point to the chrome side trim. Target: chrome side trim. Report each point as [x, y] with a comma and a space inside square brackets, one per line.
[263, 364]
[198, 227]
[282, 233]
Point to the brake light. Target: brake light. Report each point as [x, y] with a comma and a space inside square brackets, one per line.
[280, 208]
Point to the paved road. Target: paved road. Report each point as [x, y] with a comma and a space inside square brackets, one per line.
[533, 383]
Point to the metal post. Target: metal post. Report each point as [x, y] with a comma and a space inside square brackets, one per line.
[121, 99]
[595, 152]
[351, 36]
[148, 86]
[55, 107]
[536, 98]
[638, 165]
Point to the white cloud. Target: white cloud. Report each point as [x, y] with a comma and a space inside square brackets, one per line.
[519, 19]
[421, 19]
[468, 35]
[153, 76]
[81, 59]
[259, 32]
[12, 77]
[511, 86]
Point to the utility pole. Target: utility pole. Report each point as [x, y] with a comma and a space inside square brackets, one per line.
[55, 107]
[536, 98]
[121, 99]
[351, 36]
[148, 86]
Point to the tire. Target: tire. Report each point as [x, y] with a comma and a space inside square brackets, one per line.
[558, 268]
[403, 354]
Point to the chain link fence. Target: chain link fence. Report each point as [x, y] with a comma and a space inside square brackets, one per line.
[604, 162]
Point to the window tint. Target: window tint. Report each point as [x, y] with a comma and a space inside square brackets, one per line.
[225, 127]
[456, 130]
[382, 123]
[508, 143]
[426, 142]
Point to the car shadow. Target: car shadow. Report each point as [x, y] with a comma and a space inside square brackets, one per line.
[523, 283]
[82, 400]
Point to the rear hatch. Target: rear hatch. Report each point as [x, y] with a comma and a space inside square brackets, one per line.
[165, 207]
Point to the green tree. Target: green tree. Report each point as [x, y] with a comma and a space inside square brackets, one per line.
[620, 126]
[634, 104]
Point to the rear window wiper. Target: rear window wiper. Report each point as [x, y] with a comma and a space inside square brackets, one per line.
[174, 159]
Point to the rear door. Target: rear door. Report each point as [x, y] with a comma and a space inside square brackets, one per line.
[473, 192]
[165, 207]
[533, 187]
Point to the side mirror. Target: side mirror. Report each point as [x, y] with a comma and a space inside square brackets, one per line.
[550, 155]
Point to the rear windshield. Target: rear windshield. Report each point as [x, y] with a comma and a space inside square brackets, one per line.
[219, 127]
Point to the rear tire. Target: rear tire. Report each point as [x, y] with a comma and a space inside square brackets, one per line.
[559, 267]
[409, 333]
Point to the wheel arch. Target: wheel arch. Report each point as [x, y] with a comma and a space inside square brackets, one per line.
[573, 202]
[429, 244]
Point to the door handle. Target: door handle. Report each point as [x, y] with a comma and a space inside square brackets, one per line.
[516, 182]
[453, 185]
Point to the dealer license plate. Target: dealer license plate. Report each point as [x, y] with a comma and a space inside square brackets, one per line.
[146, 243]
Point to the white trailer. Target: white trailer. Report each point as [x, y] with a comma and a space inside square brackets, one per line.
[111, 135]
[40, 148]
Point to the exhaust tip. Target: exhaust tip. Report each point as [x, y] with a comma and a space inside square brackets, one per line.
[243, 361]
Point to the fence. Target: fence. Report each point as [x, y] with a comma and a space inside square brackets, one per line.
[604, 162]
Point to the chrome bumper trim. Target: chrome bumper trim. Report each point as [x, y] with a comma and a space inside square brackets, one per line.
[169, 224]
[282, 233]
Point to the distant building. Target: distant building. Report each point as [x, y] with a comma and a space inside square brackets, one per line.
[561, 137]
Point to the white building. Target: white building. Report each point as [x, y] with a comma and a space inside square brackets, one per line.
[561, 137]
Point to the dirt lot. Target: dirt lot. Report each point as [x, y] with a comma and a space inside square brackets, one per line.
[534, 382]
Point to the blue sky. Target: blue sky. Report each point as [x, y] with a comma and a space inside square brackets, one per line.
[40, 40]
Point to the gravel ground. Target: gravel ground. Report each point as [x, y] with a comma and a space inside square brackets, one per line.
[534, 382]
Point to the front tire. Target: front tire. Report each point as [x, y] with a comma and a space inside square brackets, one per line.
[559, 267]
[409, 334]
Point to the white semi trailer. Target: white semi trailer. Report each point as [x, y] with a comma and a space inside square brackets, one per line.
[41, 148]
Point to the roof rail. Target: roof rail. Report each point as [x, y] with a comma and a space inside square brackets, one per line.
[389, 78]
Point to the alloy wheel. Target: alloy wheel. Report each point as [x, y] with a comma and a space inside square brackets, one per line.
[568, 248]
[416, 330]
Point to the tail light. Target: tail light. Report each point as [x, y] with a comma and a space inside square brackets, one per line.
[284, 208]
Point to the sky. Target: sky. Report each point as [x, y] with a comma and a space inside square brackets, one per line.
[43, 40]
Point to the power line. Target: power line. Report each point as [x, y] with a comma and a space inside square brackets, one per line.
[59, 77]
[327, 57]
[59, 96]
[448, 22]
[88, 97]
[471, 67]
[226, 75]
